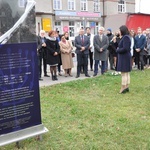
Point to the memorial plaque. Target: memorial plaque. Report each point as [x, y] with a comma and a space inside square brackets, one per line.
[19, 87]
[19, 84]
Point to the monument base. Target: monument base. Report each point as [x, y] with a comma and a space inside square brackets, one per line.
[22, 134]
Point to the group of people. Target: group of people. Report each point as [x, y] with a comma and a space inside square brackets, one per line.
[132, 50]
[121, 49]
[54, 50]
[106, 48]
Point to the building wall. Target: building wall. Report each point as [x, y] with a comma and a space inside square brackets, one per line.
[44, 9]
[110, 8]
[44, 6]
[77, 5]
[64, 5]
[131, 6]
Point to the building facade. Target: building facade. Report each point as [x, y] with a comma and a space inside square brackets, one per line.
[71, 15]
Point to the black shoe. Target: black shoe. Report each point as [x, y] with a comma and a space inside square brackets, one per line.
[127, 89]
[123, 91]
[95, 74]
[46, 75]
[77, 76]
[87, 75]
[70, 75]
[55, 77]
[59, 74]
[91, 69]
[40, 79]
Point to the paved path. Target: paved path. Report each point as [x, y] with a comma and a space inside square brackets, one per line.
[61, 79]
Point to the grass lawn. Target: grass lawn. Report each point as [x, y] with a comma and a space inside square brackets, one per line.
[90, 114]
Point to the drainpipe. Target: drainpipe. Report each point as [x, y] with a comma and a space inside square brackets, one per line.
[103, 13]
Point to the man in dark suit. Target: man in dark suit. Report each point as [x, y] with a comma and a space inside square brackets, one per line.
[42, 53]
[82, 43]
[101, 43]
[140, 43]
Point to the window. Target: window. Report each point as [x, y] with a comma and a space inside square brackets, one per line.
[96, 5]
[83, 23]
[57, 23]
[83, 4]
[57, 4]
[121, 6]
[96, 28]
[58, 26]
[71, 28]
[71, 4]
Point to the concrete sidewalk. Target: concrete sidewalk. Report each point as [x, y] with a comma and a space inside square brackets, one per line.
[61, 79]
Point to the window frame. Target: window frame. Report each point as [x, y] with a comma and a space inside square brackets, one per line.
[74, 4]
[71, 26]
[58, 26]
[82, 3]
[56, 7]
[98, 7]
[121, 6]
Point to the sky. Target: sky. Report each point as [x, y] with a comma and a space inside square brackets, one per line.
[142, 6]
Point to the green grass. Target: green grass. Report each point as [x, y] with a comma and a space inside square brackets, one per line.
[90, 114]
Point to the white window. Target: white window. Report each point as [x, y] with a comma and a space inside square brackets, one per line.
[83, 23]
[121, 6]
[57, 4]
[83, 4]
[71, 4]
[96, 5]
[71, 28]
[96, 28]
[58, 26]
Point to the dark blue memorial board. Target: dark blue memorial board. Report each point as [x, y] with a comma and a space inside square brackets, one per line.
[19, 87]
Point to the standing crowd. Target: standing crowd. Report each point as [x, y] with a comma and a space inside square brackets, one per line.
[121, 51]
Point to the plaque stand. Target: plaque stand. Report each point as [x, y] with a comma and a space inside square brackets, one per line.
[22, 135]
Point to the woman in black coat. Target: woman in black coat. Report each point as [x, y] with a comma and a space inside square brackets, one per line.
[52, 53]
[124, 58]
[115, 42]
